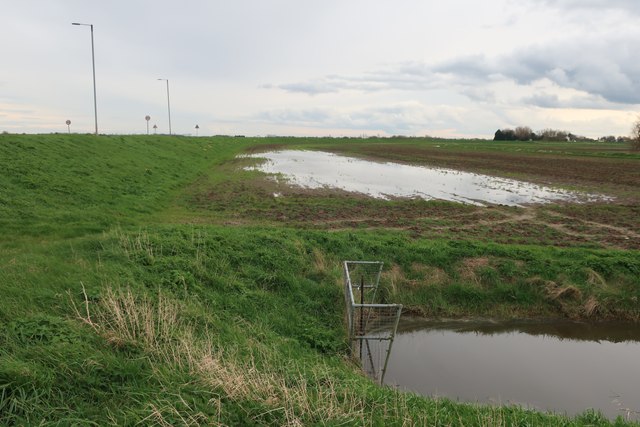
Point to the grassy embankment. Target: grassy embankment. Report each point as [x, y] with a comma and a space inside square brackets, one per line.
[148, 279]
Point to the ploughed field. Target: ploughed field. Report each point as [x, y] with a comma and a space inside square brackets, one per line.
[601, 169]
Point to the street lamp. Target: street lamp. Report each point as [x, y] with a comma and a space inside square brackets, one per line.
[168, 104]
[93, 61]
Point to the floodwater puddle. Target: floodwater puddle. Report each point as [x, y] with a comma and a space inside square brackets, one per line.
[315, 169]
[564, 367]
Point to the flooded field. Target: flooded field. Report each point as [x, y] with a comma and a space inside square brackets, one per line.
[313, 169]
[564, 367]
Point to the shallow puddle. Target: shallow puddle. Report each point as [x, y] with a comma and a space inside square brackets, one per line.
[315, 169]
[563, 367]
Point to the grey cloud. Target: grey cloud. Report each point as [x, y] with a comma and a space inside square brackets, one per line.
[472, 69]
[544, 100]
[404, 119]
[632, 6]
[548, 100]
[311, 88]
[315, 116]
[407, 76]
[334, 84]
[603, 68]
[479, 94]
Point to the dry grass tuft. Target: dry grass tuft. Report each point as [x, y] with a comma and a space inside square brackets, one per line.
[154, 326]
[592, 306]
[432, 275]
[151, 324]
[595, 279]
[539, 282]
[557, 292]
[394, 276]
[475, 263]
[469, 268]
[187, 415]
[295, 397]
[319, 261]
[125, 318]
[138, 244]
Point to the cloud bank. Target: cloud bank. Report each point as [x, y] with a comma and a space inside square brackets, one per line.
[608, 72]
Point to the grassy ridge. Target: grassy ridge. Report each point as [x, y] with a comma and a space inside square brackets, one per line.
[81, 184]
[116, 310]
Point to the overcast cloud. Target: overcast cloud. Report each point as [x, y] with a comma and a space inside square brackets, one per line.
[631, 6]
[362, 67]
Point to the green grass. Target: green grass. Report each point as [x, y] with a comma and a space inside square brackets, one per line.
[76, 184]
[126, 302]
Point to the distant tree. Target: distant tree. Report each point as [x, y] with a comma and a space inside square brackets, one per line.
[608, 138]
[524, 133]
[521, 133]
[504, 135]
[553, 135]
[635, 135]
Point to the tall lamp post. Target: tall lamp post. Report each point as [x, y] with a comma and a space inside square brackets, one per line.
[93, 62]
[168, 104]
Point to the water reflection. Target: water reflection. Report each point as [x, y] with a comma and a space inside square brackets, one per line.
[314, 169]
[564, 366]
[559, 329]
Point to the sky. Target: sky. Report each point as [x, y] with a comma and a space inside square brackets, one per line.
[455, 68]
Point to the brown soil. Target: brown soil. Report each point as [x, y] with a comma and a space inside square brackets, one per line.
[543, 225]
[548, 168]
[613, 224]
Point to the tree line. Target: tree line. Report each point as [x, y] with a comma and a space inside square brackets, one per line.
[525, 133]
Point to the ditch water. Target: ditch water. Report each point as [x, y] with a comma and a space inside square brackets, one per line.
[315, 169]
[564, 367]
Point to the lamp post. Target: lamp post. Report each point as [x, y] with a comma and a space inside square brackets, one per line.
[168, 104]
[93, 62]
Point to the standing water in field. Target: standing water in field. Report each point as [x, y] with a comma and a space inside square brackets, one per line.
[565, 367]
[315, 169]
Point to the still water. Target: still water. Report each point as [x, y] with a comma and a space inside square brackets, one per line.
[315, 169]
[564, 367]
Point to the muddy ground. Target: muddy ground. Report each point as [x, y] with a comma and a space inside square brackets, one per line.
[613, 224]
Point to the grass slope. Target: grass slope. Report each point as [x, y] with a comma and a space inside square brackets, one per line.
[124, 303]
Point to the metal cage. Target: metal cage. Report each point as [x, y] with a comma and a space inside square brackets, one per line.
[371, 325]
